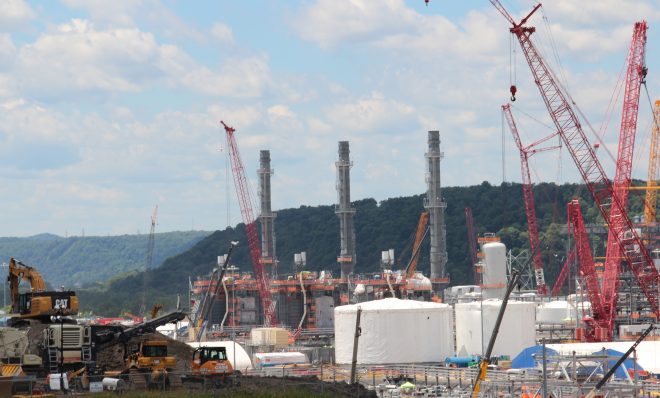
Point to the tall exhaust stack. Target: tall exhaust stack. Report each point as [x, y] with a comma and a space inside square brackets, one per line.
[345, 212]
[267, 217]
[436, 208]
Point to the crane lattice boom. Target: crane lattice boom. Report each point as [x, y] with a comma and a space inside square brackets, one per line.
[587, 271]
[528, 195]
[245, 201]
[634, 77]
[600, 187]
[472, 240]
[654, 166]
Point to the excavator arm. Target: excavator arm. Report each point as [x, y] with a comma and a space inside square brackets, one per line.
[19, 271]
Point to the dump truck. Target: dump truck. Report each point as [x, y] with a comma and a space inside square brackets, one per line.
[148, 366]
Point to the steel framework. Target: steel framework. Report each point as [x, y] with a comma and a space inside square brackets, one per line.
[563, 274]
[654, 165]
[600, 187]
[528, 195]
[634, 77]
[472, 241]
[598, 325]
[245, 200]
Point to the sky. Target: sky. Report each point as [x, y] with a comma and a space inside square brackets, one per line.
[109, 108]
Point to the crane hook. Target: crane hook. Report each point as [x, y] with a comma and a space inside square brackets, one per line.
[513, 91]
[427, 2]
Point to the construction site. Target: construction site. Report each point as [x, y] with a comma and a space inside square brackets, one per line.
[591, 332]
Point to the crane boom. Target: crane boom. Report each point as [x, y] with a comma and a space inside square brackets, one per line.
[563, 274]
[587, 270]
[149, 260]
[472, 240]
[419, 236]
[528, 195]
[600, 187]
[654, 165]
[245, 201]
[635, 75]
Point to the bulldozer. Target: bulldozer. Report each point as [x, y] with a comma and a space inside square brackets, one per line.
[37, 304]
[149, 367]
[210, 367]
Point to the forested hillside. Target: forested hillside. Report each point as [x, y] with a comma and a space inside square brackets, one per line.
[379, 226]
[79, 261]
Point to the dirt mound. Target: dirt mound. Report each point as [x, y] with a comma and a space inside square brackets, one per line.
[258, 385]
[112, 357]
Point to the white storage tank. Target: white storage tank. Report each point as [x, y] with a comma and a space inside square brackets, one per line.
[395, 331]
[517, 331]
[494, 273]
[577, 310]
[553, 312]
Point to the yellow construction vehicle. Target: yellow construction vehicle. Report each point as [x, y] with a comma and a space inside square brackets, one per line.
[210, 367]
[37, 303]
[149, 366]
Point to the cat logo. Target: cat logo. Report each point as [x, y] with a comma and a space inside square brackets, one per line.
[61, 303]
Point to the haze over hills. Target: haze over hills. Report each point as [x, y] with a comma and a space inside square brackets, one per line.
[78, 261]
[379, 226]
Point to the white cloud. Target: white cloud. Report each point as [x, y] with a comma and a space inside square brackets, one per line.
[604, 12]
[222, 33]
[149, 14]
[237, 77]
[77, 57]
[371, 113]
[393, 26]
[14, 14]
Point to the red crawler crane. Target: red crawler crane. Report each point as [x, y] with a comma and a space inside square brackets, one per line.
[472, 240]
[566, 121]
[634, 78]
[245, 200]
[598, 325]
[528, 195]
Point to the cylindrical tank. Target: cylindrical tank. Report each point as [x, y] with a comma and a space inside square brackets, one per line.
[553, 312]
[475, 322]
[394, 331]
[577, 310]
[494, 275]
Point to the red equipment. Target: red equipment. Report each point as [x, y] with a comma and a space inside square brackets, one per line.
[472, 240]
[528, 195]
[600, 187]
[598, 325]
[245, 200]
[563, 274]
[634, 77]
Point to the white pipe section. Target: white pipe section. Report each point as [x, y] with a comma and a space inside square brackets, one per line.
[387, 278]
[302, 287]
[224, 318]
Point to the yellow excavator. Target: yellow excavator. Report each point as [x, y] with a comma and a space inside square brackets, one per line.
[38, 303]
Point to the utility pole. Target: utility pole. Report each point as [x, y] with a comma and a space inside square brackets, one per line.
[358, 332]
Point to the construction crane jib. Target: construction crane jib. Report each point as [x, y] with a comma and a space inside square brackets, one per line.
[570, 129]
[635, 75]
[245, 202]
[528, 195]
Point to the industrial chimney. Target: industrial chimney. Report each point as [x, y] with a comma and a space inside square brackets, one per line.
[436, 208]
[345, 212]
[267, 217]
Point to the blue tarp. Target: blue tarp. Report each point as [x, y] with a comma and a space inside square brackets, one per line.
[530, 356]
[628, 363]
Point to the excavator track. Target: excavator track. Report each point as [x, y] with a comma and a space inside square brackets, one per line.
[175, 381]
[138, 379]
